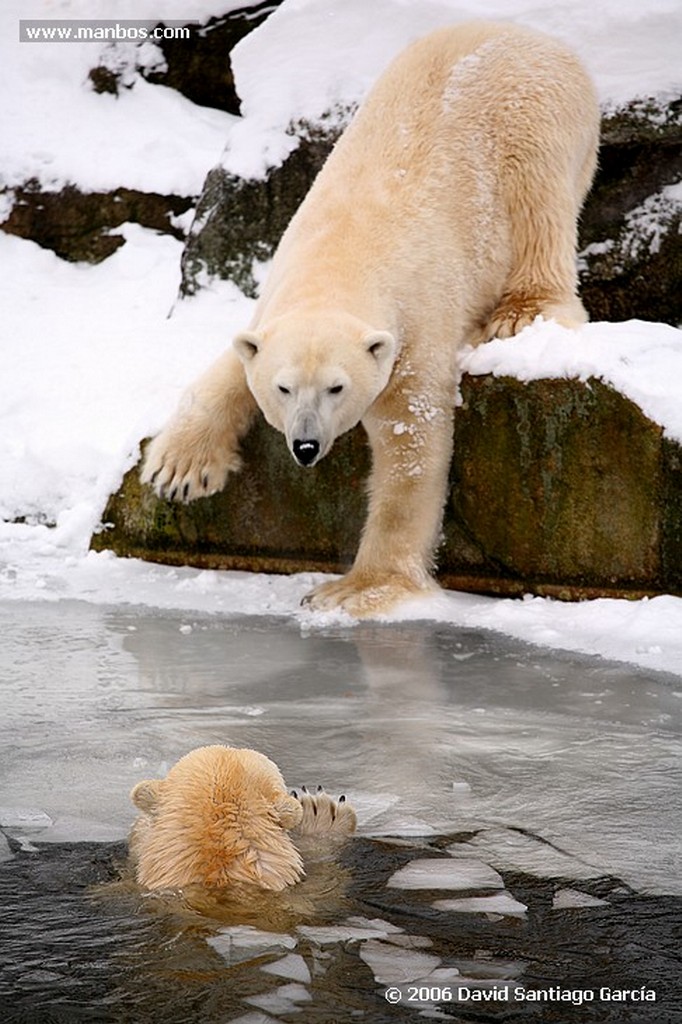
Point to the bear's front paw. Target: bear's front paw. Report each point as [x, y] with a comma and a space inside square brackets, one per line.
[365, 596]
[186, 461]
[324, 816]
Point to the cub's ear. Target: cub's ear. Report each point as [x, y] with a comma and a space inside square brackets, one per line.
[145, 795]
[288, 811]
[381, 345]
[247, 345]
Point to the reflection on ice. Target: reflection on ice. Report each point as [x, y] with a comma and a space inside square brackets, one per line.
[24, 817]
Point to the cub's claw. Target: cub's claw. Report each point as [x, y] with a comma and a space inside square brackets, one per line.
[323, 815]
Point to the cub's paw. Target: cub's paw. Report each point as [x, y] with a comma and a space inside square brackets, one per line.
[366, 596]
[324, 816]
[188, 460]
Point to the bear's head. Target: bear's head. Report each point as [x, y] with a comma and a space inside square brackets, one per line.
[220, 817]
[315, 375]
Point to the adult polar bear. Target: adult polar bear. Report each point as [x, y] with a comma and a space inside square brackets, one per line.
[446, 214]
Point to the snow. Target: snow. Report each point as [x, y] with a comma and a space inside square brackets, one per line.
[58, 130]
[337, 56]
[320, 56]
[93, 362]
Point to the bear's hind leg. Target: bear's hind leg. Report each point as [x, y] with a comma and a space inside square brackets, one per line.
[543, 209]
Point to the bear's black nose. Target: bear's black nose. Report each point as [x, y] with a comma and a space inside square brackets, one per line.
[306, 452]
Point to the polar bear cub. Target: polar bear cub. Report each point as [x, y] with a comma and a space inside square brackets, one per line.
[223, 817]
[446, 214]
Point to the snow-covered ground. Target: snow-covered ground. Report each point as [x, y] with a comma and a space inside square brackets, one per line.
[92, 361]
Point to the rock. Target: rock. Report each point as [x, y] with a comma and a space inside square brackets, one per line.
[238, 222]
[630, 241]
[631, 261]
[277, 520]
[557, 487]
[77, 225]
[561, 487]
[199, 66]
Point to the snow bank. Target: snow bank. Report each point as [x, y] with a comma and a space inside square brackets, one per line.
[309, 57]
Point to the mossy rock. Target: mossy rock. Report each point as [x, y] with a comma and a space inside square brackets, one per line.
[273, 516]
[557, 487]
[562, 485]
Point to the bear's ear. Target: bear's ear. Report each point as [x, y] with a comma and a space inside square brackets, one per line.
[145, 795]
[381, 345]
[246, 345]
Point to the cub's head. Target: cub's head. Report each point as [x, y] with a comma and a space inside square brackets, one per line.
[220, 817]
[315, 376]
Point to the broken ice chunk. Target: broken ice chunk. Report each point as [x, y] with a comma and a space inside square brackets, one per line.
[429, 873]
[500, 903]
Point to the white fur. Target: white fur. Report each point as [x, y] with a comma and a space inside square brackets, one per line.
[446, 214]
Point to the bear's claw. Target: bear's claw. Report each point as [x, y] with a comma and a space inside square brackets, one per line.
[180, 468]
[323, 815]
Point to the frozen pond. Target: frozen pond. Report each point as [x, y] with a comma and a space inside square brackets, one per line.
[544, 785]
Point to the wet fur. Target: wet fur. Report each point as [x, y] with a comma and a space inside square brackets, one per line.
[223, 819]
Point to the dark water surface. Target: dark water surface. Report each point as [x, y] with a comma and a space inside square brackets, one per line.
[542, 790]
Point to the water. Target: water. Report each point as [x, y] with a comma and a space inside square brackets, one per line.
[557, 775]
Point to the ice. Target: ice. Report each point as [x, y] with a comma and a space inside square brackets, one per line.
[282, 999]
[501, 903]
[446, 874]
[353, 930]
[254, 1018]
[24, 817]
[392, 966]
[567, 899]
[91, 706]
[505, 848]
[243, 942]
[291, 966]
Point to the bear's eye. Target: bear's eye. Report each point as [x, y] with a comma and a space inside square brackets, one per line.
[336, 390]
[283, 390]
